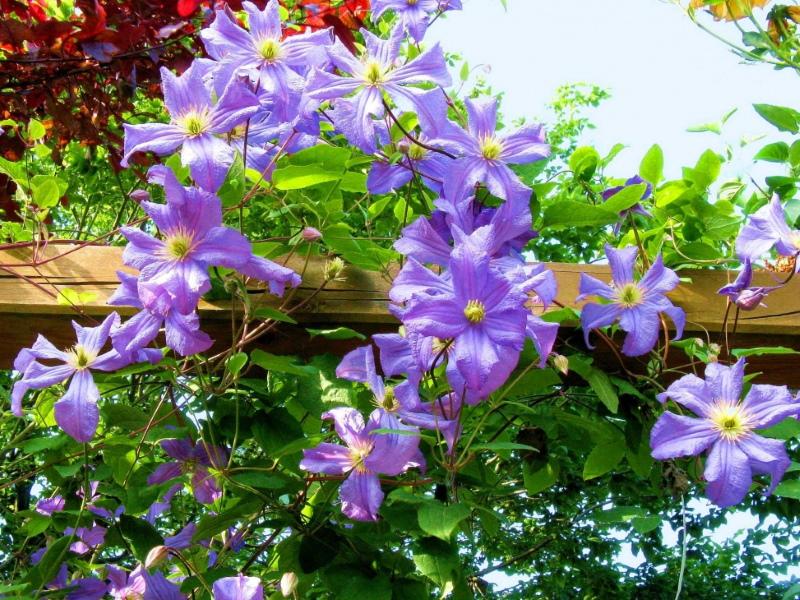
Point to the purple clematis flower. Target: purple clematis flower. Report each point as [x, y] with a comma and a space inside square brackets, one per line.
[238, 588]
[481, 309]
[385, 176]
[125, 586]
[76, 411]
[401, 401]
[636, 208]
[158, 587]
[637, 305]
[373, 76]
[182, 332]
[48, 506]
[726, 425]
[89, 538]
[484, 155]
[88, 588]
[742, 294]
[414, 15]
[767, 229]
[195, 459]
[174, 271]
[275, 63]
[182, 539]
[365, 456]
[195, 123]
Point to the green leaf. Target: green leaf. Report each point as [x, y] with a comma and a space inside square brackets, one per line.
[437, 561]
[236, 362]
[340, 333]
[583, 162]
[266, 312]
[604, 458]
[777, 153]
[46, 193]
[627, 197]
[440, 520]
[499, 446]
[761, 351]
[645, 524]
[569, 213]
[707, 169]
[789, 489]
[329, 158]
[362, 253]
[276, 429]
[597, 380]
[296, 177]
[36, 130]
[140, 535]
[652, 166]
[782, 117]
[538, 481]
[785, 430]
[280, 364]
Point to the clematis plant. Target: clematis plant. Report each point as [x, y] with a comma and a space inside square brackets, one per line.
[725, 425]
[637, 305]
[413, 15]
[767, 229]
[193, 459]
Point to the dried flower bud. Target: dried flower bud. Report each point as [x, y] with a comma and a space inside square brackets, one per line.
[140, 196]
[310, 234]
[561, 363]
[713, 352]
[403, 146]
[288, 584]
[751, 299]
[333, 268]
[156, 556]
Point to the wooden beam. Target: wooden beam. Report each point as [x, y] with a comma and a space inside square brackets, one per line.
[30, 282]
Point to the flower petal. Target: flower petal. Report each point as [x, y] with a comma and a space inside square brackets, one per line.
[728, 474]
[76, 412]
[361, 496]
[328, 459]
[677, 435]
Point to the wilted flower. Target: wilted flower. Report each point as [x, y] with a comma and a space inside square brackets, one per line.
[742, 294]
[729, 10]
[366, 455]
[637, 304]
[727, 426]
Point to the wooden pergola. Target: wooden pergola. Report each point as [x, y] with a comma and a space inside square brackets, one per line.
[30, 282]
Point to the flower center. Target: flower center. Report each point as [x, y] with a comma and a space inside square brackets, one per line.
[80, 358]
[358, 455]
[475, 311]
[730, 420]
[630, 295]
[133, 596]
[178, 246]
[194, 123]
[390, 403]
[270, 50]
[416, 152]
[373, 74]
[491, 148]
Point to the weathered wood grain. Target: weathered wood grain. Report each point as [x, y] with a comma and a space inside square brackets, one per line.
[358, 300]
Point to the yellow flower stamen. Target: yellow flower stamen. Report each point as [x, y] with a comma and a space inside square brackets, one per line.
[416, 152]
[373, 74]
[491, 148]
[475, 311]
[80, 358]
[358, 455]
[270, 50]
[629, 295]
[732, 422]
[194, 122]
[178, 245]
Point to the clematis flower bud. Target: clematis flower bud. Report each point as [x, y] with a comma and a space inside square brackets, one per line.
[288, 584]
[310, 234]
[561, 363]
[156, 556]
[333, 268]
[140, 196]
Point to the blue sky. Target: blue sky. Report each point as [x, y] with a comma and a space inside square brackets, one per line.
[664, 75]
[663, 72]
